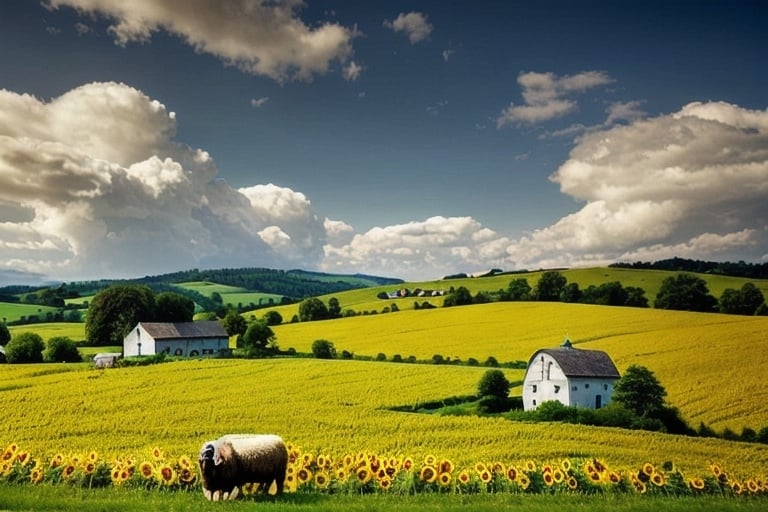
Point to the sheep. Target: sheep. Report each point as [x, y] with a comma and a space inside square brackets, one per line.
[231, 461]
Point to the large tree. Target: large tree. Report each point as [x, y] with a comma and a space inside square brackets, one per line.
[639, 391]
[115, 311]
[312, 309]
[741, 302]
[551, 284]
[174, 307]
[258, 336]
[519, 289]
[61, 349]
[5, 334]
[684, 292]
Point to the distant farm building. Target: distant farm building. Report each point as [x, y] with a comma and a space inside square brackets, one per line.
[571, 376]
[187, 339]
[106, 359]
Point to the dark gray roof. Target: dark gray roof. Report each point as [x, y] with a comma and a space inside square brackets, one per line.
[581, 363]
[184, 330]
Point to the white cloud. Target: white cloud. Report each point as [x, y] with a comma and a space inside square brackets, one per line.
[447, 54]
[624, 111]
[338, 232]
[694, 183]
[258, 102]
[352, 71]
[545, 96]
[413, 24]
[262, 37]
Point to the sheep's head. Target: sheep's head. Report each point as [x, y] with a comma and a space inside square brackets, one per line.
[208, 457]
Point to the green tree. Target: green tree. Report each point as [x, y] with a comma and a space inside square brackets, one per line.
[571, 293]
[519, 289]
[334, 308]
[550, 286]
[273, 318]
[115, 311]
[636, 297]
[684, 292]
[26, 347]
[234, 323]
[493, 383]
[312, 309]
[258, 336]
[458, 297]
[61, 349]
[5, 334]
[741, 302]
[173, 307]
[323, 349]
[639, 391]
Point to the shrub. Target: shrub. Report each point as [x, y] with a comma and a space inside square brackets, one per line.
[323, 349]
[27, 347]
[61, 349]
[492, 362]
[397, 358]
[493, 404]
[381, 356]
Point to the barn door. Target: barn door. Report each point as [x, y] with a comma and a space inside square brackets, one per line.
[598, 401]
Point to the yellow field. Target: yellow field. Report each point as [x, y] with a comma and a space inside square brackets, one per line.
[322, 406]
[711, 364]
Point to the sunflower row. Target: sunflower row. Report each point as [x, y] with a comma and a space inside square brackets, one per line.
[366, 472]
[90, 470]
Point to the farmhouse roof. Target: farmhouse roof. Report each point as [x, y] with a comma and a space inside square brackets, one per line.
[186, 330]
[581, 363]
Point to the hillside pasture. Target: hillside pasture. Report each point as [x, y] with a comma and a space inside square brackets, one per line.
[333, 407]
[12, 311]
[231, 295]
[74, 331]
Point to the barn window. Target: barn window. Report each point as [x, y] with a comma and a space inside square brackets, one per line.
[549, 370]
[605, 387]
[575, 388]
[194, 353]
[178, 352]
[534, 388]
[586, 386]
[534, 403]
[557, 389]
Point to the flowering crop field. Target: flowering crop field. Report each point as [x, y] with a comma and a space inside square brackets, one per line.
[700, 358]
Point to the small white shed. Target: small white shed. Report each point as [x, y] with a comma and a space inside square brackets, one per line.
[186, 339]
[571, 376]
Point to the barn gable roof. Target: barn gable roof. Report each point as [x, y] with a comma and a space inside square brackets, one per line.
[581, 363]
[185, 330]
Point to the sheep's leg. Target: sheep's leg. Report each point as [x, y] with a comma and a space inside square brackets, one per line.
[207, 494]
[216, 495]
[234, 492]
[279, 482]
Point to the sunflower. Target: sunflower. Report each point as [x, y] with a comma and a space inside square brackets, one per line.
[445, 466]
[648, 469]
[363, 475]
[498, 467]
[752, 485]
[558, 475]
[658, 479]
[486, 476]
[89, 468]
[445, 479]
[391, 471]
[511, 473]
[549, 480]
[5, 469]
[480, 467]
[716, 470]
[167, 475]
[248, 489]
[464, 477]
[304, 475]
[10, 451]
[22, 457]
[530, 466]
[566, 465]
[291, 483]
[696, 483]
[523, 481]
[572, 483]
[36, 476]
[614, 477]
[307, 459]
[342, 475]
[157, 453]
[594, 477]
[430, 460]
[116, 476]
[385, 484]
[57, 460]
[184, 462]
[737, 487]
[599, 465]
[322, 479]
[68, 471]
[146, 469]
[407, 463]
[382, 473]
[187, 476]
[640, 486]
[428, 474]
[348, 460]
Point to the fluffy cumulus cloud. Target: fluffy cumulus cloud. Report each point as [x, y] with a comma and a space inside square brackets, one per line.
[418, 249]
[548, 96]
[413, 24]
[262, 37]
[690, 184]
[92, 184]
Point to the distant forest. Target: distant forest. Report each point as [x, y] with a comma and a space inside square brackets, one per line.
[739, 269]
[293, 285]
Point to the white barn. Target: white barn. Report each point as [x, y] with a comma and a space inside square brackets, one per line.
[573, 377]
[188, 339]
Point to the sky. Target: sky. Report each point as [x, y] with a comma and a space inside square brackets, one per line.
[410, 139]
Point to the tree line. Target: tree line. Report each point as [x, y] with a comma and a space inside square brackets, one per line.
[682, 292]
[726, 268]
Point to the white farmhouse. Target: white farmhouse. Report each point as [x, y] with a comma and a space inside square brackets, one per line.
[573, 377]
[191, 339]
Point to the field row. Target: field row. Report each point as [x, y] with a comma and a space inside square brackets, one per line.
[334, 406]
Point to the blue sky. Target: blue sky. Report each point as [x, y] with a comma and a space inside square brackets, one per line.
[410, 139]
